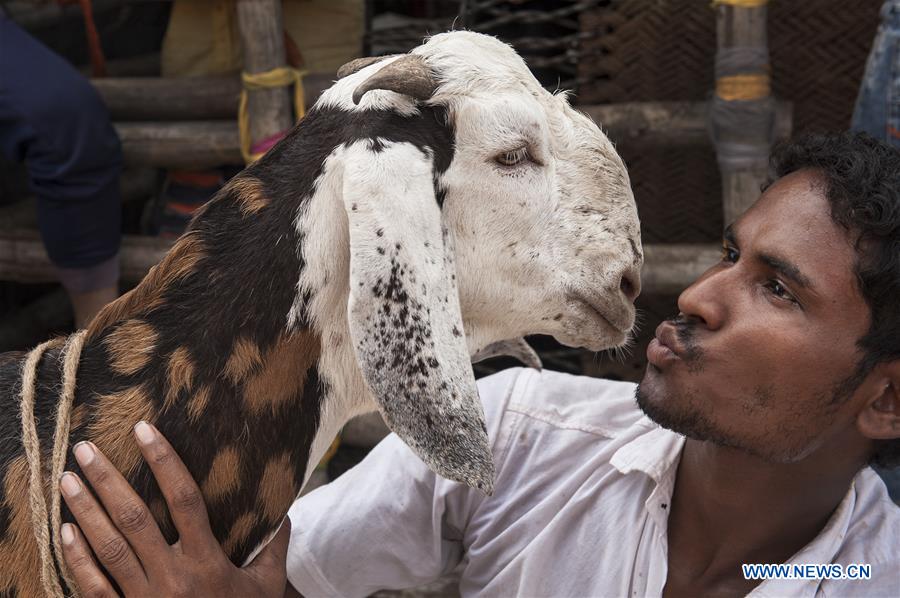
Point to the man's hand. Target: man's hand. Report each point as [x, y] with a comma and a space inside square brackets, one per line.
[128, 543]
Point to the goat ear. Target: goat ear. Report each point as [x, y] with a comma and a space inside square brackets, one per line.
[404, 315]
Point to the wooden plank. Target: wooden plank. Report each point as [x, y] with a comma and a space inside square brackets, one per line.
[194, 98]
[193, 144]
[667, 268]
[203, 144]
[31, 15]
[670, 268]
[673, 124]
[24, 259]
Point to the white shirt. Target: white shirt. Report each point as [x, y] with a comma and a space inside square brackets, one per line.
[584, 481]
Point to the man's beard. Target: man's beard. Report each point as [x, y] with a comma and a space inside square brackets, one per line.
[683, 414]
[686, 420]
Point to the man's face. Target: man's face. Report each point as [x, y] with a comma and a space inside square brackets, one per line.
[766, 339]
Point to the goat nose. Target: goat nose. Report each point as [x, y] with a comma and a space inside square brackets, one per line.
[630, 285]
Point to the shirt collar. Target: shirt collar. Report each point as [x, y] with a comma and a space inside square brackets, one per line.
[652, 450]
[656, 452]
[823, 549]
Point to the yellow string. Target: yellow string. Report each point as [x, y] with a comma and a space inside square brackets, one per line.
[332, 449]
[743, 87]
[278, 77]
[740, 3]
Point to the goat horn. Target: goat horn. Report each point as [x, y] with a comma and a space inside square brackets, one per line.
[408, 75]
[358, 64]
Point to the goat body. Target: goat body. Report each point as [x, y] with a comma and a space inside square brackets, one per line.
[320, 283]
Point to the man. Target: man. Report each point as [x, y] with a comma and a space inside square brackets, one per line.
[763, 402]
[53, 120]
[875, 114]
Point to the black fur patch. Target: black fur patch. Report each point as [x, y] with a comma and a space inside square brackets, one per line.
[297, 160]
[242, 286]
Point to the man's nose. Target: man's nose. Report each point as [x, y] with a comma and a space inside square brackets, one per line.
[705, 299]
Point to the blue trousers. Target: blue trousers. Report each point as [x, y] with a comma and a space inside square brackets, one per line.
[877, 109]
[54, 121]
[877, 112]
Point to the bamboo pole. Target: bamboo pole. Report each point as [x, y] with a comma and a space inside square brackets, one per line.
[24, 259]
[180, 144]
[197, 98]
[262, 39]
[202, 144]
[670, 124]
[743, 111]
[667, 268]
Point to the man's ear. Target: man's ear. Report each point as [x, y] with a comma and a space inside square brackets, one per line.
[880, 418]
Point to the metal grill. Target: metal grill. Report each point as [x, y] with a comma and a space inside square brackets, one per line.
[612, 51]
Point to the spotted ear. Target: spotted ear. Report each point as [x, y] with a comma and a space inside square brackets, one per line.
[404, 315]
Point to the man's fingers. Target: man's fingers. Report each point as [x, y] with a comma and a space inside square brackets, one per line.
[109, 545]
[179, 489]
[82, 567]
[125, 508]
[269, 566]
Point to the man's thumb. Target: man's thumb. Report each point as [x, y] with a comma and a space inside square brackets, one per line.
[270, 563]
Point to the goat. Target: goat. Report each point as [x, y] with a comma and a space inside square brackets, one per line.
[429, 207]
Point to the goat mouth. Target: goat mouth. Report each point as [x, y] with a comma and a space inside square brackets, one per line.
[600, 313]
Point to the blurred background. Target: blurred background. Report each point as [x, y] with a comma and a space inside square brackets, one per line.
[645, 69]
[164, 92]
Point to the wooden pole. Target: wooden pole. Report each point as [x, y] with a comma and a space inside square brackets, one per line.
[197, 98]
[669, 124]
[262, 39]
[191, 144]
[667, 268]
[743, 111]
[203, 144]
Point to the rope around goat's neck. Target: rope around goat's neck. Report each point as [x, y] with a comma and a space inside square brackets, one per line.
[42, 534]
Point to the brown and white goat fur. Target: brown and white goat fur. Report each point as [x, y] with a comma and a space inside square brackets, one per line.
[356, 266]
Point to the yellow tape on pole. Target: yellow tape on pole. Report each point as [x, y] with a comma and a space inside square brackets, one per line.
[743, 87]
[277, 77]
[740, 3]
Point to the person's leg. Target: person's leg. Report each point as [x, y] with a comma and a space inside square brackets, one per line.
[877, 108]
[877, 112]
[53, 120]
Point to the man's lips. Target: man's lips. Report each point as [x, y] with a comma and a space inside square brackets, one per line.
[665, 346]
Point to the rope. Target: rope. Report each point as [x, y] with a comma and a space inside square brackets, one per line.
[743, 87]
[98, 60]
[72, 352]
[740, 3]
[33, 455]
[278, 77]
[31, 442]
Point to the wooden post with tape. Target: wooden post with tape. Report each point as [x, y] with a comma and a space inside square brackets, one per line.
[743, 109]
[262, 40]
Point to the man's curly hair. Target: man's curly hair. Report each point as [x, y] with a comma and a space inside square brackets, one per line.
[862, 179]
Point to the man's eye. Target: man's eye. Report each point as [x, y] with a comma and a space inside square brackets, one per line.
[780, 291]
[513, 157]
[729, 254]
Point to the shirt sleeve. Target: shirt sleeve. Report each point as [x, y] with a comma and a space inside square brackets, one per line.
[388, 523]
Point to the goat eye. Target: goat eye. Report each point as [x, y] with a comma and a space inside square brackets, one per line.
[513, 157]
